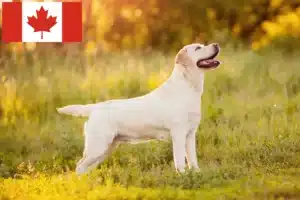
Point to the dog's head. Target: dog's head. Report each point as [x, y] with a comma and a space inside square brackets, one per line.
[199, 56]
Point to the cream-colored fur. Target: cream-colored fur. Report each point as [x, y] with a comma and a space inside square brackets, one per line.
[172, 110]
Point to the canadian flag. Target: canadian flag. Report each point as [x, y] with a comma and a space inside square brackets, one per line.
[41, 22]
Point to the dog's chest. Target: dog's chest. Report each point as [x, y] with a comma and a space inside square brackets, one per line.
[186, 113]
[194, 117]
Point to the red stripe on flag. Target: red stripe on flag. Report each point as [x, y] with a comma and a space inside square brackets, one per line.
[12, 21]
[71, 22]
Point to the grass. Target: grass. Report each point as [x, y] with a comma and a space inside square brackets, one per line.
[247, 143]
[89, 187]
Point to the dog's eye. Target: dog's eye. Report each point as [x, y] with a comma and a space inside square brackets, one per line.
[197, 48]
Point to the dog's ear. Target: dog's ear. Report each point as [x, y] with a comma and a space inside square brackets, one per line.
[183, 58]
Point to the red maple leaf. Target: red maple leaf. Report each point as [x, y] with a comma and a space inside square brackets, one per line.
[41, 23]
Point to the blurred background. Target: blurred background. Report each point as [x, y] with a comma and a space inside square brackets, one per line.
[114, 25]
[249, 135]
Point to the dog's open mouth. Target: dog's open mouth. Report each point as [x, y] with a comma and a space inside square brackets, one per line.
[209, 62]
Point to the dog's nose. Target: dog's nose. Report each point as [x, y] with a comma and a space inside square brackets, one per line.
[216, 45]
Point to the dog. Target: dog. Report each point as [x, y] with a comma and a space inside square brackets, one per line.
[172, 110]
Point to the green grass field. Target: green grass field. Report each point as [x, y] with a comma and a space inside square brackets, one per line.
[247, 143]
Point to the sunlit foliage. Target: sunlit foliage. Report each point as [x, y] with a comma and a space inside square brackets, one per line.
[111, 25]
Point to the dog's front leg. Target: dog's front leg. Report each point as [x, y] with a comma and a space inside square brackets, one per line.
[179, 142]
[191, 153]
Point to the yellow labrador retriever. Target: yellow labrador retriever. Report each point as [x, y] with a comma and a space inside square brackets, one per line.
[171, 110]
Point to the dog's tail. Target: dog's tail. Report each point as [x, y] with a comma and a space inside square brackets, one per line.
[77, 110]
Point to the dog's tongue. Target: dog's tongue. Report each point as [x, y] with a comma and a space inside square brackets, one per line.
[209, 62]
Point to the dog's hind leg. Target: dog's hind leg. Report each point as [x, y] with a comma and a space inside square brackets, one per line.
[89, 163]
[98, 144]
[109, 151]
[93, 157]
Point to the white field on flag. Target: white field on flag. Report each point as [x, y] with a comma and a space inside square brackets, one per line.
[54, 9]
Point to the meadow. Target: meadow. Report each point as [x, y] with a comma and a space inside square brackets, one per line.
[247, 143]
